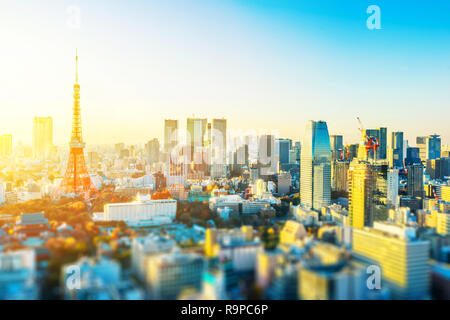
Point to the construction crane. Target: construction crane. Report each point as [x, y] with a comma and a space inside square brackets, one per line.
[369, 142]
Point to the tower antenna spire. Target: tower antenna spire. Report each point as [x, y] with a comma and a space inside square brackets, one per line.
[76, 67]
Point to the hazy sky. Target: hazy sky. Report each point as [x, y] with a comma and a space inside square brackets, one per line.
[261, 64]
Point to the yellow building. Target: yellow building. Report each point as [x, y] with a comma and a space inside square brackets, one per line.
[259, 188]
[402, 258]
[211, 245]
[328, 274]
[362, 182]
[445, 193]
[443, 223]
[292, 232]
[5, 145]
[312, 286]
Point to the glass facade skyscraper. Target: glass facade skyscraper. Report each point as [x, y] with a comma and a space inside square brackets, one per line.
[381, 135]
[433, 147]
[397, 149]
[284, 146]
[315, 181]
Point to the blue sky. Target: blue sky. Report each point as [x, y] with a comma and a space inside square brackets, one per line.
[261, 64]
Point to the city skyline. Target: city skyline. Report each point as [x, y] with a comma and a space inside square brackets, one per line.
[239, 150]
[326, 69]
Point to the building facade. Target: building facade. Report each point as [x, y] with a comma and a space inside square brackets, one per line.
[315, 167]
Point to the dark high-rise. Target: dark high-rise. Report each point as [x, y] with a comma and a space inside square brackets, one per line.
[415, 180]
[396, 149]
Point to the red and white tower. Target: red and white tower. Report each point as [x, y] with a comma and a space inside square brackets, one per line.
[77, 180]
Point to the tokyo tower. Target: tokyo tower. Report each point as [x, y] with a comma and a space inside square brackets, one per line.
[77, 180]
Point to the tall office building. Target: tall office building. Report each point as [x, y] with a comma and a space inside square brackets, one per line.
[402, 257]
[412, 156]
[5, 145]
[382, 150]
[152, 150]
[415, 180]
[396, 150]
[430, 147]
[42, 137]
[392, 187]
[298, 151]
[421, 143]
[438, 168]
[337, 147]
[315, 168]
[433, 147]
[283, 148]
[267, 155]
[339, 173]
[196, 136]
[380, 134]
[170, 135]
[218, 147]
[362, 184]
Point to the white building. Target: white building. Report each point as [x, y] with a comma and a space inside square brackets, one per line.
[158, 211]
[143, 249]
[284, 182]
[169, 274]
[242, 253]
[259, 188]
[392, 187]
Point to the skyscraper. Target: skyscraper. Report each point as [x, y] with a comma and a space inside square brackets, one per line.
[284, 146]
[396, 150]
[5, 145]
[382, 150]
[412, 156]
[339, 170]
[438, 168]
[392, 187]
[421, 143]
[380, 134]
[76, 179]
[315, 176]
[415, 180]
[433, 147]
[218, 147]
[42, 137]
[170, 135]
[267, 155]
[196, 135]
[362, 184]
[240, 158]
[337, 147]
[152, 150]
